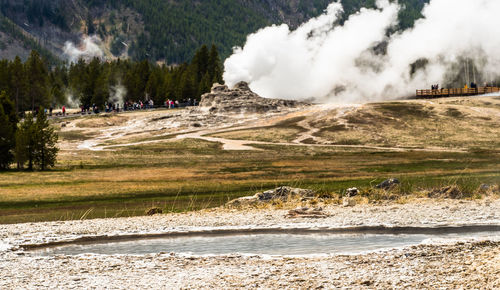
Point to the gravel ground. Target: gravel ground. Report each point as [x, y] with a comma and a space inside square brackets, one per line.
[471, 264]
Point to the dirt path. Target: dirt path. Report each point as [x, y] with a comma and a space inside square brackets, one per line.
[157, 124]
[318, 112]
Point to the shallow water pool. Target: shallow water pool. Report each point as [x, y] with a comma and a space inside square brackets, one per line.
[265, 243]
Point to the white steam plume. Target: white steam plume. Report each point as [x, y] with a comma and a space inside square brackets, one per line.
[117, 94]
[71, 100]
[88, 49]
[334, 63]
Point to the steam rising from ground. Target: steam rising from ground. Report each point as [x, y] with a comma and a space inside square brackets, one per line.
[360, 61]
[88, 49]
[117, 94]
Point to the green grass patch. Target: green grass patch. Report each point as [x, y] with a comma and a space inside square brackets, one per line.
[191, 174]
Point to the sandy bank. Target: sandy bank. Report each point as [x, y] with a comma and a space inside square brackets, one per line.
[468, 265]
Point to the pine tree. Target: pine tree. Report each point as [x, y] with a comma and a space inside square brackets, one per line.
[6, 140]
[205, 84]
[18, 83]
[25, 143]
[37, 78]
[45, 151]
[200, 63]
[187, 86]
[215, 69]
[9, 109]
[153, 86]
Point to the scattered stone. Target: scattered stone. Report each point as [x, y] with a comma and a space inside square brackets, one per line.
[489, 188]
[353, 191]
[388, 184]
[467, 264]
[243, 201]
[348, 201]
[283, 193]
[154, 210]
[241, 99]
[446, 192]
[305, 212]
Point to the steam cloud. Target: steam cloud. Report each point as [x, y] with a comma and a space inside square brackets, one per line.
[359, 61]
[88, 49]
[117, 94]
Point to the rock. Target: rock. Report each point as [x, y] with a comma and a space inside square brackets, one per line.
[219, 88]
[154, 210]
[241, 99]
[243, 201]
[283, 193]
[242, 86]
[489, 188]
[348, 201]
[446, 192]
[353, 191]
[305, 212]
[388, 184]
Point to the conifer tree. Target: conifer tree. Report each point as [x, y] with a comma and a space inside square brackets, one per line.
[6, 140]
[9, 109]
[205, 84]
[37, 78]
[25, 143]
[200, 63]
[187, 86]
[18, 83]
[215, 69]
[45, 150]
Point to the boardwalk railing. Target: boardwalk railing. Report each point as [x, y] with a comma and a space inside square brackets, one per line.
[456, 92]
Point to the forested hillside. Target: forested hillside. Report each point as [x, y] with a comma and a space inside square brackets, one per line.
[169, 31]
[32, 84]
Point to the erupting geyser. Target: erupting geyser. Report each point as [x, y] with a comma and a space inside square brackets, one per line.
[361, 61]
[88, 49]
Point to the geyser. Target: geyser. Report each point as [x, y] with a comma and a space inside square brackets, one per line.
[361, 61]
[88, 49]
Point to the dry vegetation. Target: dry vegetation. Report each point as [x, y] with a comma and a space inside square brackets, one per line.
[454, 123]
[420, 125]
[192, 173]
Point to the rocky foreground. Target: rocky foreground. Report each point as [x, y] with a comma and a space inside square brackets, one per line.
[466, 264]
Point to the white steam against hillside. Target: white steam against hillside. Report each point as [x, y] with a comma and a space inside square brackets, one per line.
[334, 63]
[88, 49]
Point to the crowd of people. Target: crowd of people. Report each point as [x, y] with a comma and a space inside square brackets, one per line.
[110, 107]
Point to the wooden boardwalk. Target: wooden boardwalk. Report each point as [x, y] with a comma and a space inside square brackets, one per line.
[425, 94]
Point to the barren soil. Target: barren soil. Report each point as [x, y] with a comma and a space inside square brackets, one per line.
[466, 264]
[452, 125]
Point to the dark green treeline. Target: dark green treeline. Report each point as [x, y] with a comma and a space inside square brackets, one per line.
[34, 84]
[31, 142]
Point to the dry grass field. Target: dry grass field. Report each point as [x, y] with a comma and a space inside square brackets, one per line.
[426, 144]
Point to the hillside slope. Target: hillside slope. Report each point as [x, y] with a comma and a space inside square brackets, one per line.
[158, 30]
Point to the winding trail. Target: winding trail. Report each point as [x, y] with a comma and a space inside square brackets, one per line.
[175, 125]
